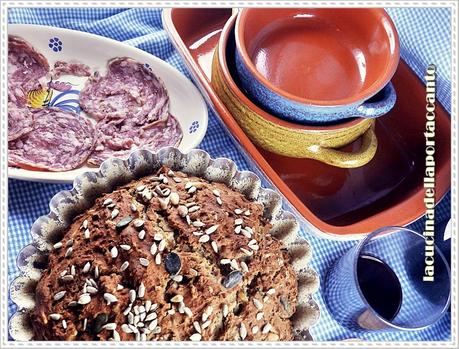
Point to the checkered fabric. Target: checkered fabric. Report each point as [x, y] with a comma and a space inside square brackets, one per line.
[142, 28]
[425, 38]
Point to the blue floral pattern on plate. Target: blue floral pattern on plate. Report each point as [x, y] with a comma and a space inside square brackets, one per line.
[65, 101]
[193, 127]
[59, 94]
[146, 65]
[55, 44]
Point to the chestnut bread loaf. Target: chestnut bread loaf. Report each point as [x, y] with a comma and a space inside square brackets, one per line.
[168, 257]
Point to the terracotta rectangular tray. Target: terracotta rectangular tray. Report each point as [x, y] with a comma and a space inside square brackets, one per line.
[334, 202]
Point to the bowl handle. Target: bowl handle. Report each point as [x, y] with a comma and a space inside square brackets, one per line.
[349, 160]
[379, 104]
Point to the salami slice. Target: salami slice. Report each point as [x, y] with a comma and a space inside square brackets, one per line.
[118, 138]
[66, 68]
[25, 68]
[128, 90]
[60, 141]
[16, 95]
[20, 121]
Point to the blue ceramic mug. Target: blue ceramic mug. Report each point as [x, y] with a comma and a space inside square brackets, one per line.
[318, 66]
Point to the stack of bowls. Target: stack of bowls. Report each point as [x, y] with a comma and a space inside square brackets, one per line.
[305, 82]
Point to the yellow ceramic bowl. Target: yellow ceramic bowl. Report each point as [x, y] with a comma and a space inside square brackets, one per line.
[283, 137]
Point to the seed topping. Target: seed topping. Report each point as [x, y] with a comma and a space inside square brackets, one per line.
[85, 298]
[110, 298]
[59, 295]
[177, 298]
[196, 337]
[258, 304]
[144, 262]
[124, 222]
[204, 238]
[172, 263]
[266, 328]
[212, 229]
[232, 279]
[243, 331]
[124, 266]
[115, 213]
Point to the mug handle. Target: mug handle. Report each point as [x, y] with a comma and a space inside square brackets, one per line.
[350, 160]
[379, 104]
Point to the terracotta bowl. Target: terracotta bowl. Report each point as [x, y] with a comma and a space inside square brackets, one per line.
[283, 137]
[318, 65]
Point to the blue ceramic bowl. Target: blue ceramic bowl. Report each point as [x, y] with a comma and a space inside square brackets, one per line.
[333, 76]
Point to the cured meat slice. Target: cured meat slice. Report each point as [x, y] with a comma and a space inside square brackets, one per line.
[16, 95]
[24, 63]
[132, 106]
[66, 68]
[20, 121]
[25, 68]
[60, 141]
[129, 89]
[118, 138]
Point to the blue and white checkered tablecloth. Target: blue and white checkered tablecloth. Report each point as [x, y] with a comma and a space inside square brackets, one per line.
[425, 38]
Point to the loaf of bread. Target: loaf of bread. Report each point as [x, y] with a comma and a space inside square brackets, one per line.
[168, 257]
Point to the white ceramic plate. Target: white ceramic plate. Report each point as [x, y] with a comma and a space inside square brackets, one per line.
[186, 103]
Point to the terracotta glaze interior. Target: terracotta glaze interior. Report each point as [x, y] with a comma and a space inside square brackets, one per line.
[320, 55]
[201, 41]
[387, 191]
[236, 86]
